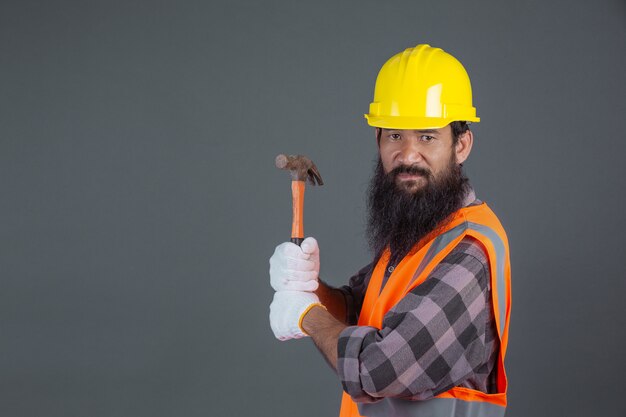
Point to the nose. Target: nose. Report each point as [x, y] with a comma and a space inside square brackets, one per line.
[410, 152]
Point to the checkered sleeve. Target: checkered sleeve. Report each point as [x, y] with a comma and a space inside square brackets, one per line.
[354, 293]
[432, 340]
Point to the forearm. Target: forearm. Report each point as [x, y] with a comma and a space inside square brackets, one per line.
[333, 299]
[324, 329]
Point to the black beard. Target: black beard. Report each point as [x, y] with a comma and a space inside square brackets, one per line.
[398, 219]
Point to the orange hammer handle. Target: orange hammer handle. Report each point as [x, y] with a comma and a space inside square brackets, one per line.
[297, 225]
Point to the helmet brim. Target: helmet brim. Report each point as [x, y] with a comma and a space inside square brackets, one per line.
[396, 122]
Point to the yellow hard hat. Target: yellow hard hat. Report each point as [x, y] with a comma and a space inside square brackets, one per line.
[421, 88]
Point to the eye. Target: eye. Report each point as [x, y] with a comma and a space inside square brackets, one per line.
[427, 138]
[394, 137]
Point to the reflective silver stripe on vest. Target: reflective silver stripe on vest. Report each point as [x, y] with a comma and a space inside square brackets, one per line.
[435, 407]
[498, 246]
[438, 245]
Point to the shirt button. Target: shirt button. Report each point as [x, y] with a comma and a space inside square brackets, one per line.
[391, 268]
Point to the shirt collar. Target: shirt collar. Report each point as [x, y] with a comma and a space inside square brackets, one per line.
[470, 197]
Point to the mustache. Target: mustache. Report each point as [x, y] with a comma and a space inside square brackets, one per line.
[409, 169]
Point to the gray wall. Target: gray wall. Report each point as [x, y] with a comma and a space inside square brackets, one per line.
[139, 203]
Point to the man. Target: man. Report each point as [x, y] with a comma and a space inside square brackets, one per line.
[422, 330]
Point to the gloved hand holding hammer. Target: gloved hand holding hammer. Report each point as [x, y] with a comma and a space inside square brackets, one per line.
[295, 268]
[295, 265]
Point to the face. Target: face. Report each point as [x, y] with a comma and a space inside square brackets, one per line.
[420, 156]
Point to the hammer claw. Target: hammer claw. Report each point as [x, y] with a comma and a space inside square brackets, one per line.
[314, 176]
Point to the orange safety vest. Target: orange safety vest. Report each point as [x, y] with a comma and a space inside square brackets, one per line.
[482, 224]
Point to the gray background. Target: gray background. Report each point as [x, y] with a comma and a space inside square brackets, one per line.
[140, 204]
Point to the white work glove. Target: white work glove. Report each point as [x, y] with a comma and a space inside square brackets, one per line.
[295, 268]
[287, 311]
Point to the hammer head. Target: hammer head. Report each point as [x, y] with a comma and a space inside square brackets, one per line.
[300, 167]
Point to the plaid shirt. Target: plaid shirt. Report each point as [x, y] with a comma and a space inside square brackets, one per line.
[439, 336]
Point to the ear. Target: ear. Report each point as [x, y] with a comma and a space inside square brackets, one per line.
[464, 146]
[377, 133]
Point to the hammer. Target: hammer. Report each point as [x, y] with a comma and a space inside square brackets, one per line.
[302, 170]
